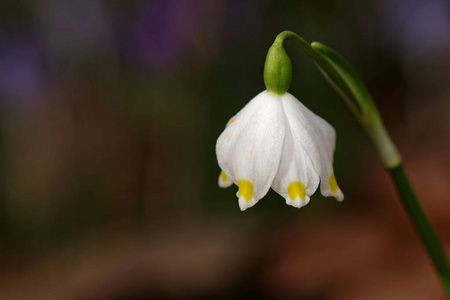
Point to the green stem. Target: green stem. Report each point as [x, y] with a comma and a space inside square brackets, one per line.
[422, 226]
[324, 66]
[350, 87]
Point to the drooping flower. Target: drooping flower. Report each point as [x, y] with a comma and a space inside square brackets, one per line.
[275, 141]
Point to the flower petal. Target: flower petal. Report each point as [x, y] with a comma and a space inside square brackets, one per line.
[318, 138]
[224, 180]
[249, 149]
[296, 179]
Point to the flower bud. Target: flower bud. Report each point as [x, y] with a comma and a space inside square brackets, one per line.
[277, 70]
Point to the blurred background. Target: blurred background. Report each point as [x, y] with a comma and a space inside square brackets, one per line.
[109, 114]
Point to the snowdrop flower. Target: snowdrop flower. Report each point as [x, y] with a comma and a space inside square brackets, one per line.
[276, 142]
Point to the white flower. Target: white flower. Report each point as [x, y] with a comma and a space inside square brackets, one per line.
[275, 141]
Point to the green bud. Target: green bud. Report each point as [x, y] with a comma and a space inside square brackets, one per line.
[277, 70]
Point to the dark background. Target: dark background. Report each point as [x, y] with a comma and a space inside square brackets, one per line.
[109, 114]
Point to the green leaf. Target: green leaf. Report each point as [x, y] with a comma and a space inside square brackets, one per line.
[355, 86]
[350, 87]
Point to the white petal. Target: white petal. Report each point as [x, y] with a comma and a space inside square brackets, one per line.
[296, 179]
[249, 149]
[224, 180]
[318, 138]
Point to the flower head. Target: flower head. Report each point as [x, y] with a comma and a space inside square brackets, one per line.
[275, 141]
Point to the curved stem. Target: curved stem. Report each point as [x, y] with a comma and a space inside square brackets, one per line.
[351, 88]
[324, 66]
[422, 226]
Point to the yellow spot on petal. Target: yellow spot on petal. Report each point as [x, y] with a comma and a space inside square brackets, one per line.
[245, 189]
[296, 189]
[223, 176]
[333, 184]
[231, 120]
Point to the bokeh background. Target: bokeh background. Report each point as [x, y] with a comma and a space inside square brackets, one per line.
[109, 114]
